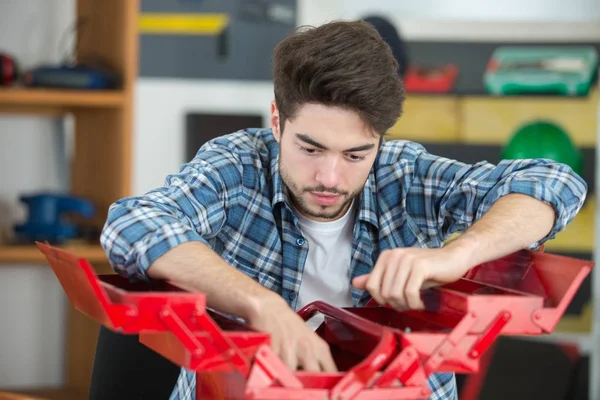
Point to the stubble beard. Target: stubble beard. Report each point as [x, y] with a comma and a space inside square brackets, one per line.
[301, 205]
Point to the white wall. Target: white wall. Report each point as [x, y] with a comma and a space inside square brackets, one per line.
[473, 20]
[494, 11]
[160, 119]
[31, 300]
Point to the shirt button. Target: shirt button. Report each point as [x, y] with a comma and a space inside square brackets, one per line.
[300, 241]
[292, 296]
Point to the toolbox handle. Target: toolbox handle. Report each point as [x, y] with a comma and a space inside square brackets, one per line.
[365, 373]
[348, 318]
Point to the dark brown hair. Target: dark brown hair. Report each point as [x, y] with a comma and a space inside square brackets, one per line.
[343, 63]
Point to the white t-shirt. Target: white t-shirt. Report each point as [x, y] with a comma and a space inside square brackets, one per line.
[326, 275]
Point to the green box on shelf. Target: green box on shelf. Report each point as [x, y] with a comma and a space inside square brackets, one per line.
[567, 71]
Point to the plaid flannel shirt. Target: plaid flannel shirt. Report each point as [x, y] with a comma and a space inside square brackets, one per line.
[231, 197]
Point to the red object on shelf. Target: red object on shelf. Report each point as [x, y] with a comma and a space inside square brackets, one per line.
[381, 353]
[430, 79]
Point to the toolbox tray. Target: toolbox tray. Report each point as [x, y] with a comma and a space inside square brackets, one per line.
[380, 353]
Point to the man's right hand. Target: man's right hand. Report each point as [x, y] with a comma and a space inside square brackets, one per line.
[291, 338]
[232, 292]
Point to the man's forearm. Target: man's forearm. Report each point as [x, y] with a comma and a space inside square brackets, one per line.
[514, 222]
[195, 267]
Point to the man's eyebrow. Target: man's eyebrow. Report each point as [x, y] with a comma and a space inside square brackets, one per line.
[307, 139]
[360, 148]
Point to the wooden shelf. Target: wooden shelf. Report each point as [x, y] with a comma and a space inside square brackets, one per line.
[100, 169]
[43, 394]
[24, 97]
[493, 120]
[31, 254]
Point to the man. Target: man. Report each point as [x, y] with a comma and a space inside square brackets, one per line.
[320, 207]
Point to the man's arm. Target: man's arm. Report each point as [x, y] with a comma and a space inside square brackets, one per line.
[190, 207]
[499, 209]
[164, 235]
[512, 223]
[454, 196]
[195, 267]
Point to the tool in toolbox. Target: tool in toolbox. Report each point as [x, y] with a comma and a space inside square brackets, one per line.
[381, 353]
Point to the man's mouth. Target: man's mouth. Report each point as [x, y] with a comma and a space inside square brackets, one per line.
[325, 199]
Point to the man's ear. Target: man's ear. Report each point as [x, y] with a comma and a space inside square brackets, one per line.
[275, 121]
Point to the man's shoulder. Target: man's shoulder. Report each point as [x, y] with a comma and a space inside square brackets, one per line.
[252, 146]
[250, 140]
[238, 158]
[394, 151]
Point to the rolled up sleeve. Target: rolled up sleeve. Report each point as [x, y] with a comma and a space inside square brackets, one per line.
[458, 194]
[191, 206]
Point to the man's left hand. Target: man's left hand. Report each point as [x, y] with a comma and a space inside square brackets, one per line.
[400, 274]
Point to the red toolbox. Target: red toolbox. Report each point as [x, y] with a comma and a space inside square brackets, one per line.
[381, 353]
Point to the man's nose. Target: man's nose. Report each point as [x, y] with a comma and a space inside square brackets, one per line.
[328, 174]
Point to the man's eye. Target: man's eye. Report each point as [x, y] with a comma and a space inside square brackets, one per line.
[353, 157]
[308, 151]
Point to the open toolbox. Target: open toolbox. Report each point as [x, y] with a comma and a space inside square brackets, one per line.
[380, 353]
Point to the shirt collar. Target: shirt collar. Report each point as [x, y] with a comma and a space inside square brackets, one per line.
[276, 181]
[368, 205]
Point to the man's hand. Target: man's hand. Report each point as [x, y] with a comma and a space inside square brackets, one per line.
[400, 274]
[291, 338]
[232, 292]
[512, 223]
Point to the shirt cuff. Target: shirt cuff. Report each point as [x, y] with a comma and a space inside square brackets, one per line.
[565, 205]
[161, 241]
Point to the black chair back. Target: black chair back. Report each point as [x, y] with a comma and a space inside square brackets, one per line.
[126, 369]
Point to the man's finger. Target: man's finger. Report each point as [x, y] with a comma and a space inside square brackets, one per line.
[388, 280]
[373, 285]
[397, 297]
[308, 361]
[360, 282]
[288, 356]
[326, 361]
[412, 290]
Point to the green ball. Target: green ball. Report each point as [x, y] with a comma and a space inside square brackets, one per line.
[542, 139]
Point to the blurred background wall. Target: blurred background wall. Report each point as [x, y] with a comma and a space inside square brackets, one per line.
[192, 87]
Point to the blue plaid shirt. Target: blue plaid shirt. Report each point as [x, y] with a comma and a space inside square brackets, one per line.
[231, 197]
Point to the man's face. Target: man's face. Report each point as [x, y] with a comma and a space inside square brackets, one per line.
[326, 154]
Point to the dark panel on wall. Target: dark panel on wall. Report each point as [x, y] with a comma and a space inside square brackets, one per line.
[202, 127]
[243, 50]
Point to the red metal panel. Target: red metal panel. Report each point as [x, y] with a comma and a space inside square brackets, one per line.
[381, 353]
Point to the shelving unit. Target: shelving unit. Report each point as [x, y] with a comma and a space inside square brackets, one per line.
[101, 168]
[31, 254]
[48, 97]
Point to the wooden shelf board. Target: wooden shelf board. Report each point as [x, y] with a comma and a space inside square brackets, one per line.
[30, 253]
[42, 394]
[25, 97]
